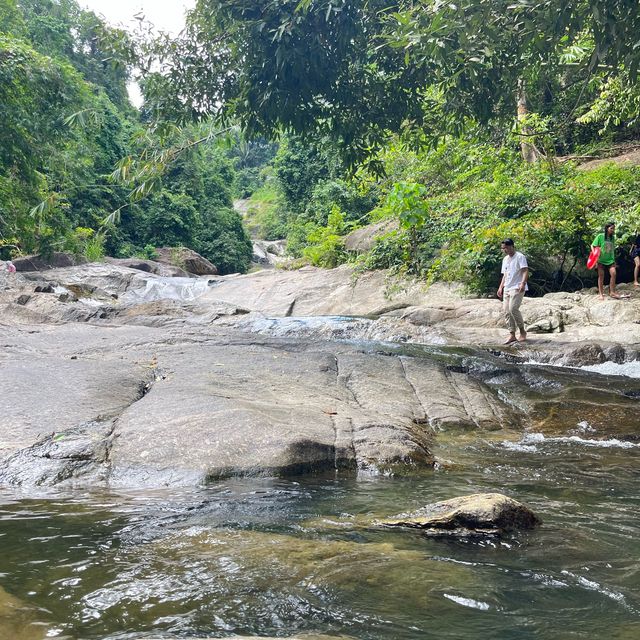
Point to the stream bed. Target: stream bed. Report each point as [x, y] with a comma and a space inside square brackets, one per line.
[303, 556]
[276, 557]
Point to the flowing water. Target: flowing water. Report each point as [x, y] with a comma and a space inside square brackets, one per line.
[278, 557]
[282, 557]
[165, 288]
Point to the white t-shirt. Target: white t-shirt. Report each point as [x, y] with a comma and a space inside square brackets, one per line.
[511, 267]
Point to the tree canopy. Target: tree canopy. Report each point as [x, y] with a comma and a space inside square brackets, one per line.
[343, 87]
[357, 69]
[67, 126]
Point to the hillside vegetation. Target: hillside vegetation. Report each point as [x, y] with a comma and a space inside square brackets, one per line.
[457, 124]
[449, 208]
[67, 136]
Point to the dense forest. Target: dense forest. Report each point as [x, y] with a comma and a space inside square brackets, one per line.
[492, 111]
[67, 129]
[449, 126]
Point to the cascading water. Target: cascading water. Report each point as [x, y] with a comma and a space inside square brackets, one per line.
[159, 288]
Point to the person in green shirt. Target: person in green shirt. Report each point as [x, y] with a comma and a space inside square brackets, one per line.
[607, 260]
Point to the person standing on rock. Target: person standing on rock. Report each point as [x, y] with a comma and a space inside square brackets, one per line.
[635, 256]
[606, 241]
[515, 273]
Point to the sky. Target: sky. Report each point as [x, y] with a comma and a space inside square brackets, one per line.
[166, 15]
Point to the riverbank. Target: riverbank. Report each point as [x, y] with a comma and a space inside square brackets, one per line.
[454, 317]
[120, 378]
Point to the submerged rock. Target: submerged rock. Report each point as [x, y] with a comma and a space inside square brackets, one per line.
[480, 513]
[268, 563]
[20, 620]
[303, 636]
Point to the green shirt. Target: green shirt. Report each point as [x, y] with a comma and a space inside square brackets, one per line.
[607, 249]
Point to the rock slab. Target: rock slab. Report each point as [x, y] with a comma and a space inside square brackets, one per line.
[187, 259]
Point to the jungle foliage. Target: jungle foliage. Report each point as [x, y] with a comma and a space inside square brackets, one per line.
[354, 70]
[455, 123]
[447, 210]
[66, 130]
[432, 108]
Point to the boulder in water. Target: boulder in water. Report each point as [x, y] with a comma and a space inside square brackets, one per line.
[477, 514]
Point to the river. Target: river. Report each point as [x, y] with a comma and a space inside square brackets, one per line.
[278, 557]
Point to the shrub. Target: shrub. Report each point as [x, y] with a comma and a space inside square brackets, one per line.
[85, 242]
[148, 252]
[171, 220]
[326, 244]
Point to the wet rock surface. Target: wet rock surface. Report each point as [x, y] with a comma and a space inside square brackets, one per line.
[117, 377]
[477, 514]
[78, 453]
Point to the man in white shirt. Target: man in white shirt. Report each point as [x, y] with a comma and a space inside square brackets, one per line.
[515, 273]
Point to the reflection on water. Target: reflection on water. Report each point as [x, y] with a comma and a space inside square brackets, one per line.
[278, 558]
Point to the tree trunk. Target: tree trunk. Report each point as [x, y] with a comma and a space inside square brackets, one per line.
[527, 148]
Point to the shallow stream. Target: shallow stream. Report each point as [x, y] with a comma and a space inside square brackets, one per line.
[276, 557]
[279, 557]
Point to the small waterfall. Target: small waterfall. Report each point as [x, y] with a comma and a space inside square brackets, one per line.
[159, 288]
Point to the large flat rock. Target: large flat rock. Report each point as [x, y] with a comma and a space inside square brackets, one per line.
[115, 377]
[312, 291]
[145, 406]
[268, 408]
